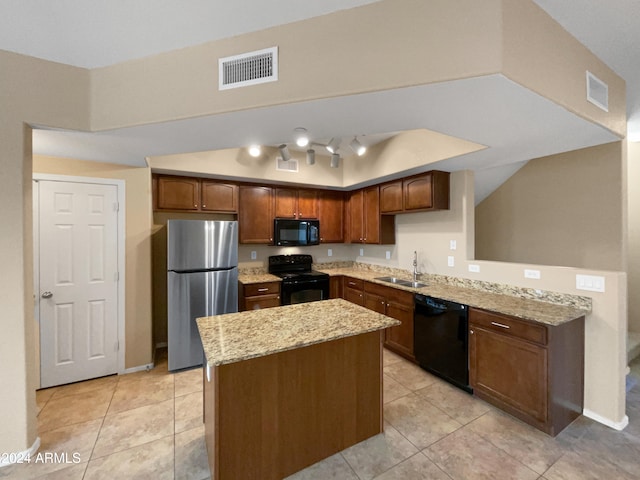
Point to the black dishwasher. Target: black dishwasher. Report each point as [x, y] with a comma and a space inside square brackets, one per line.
[441, 339]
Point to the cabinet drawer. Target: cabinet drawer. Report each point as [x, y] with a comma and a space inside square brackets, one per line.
[391, 294]
[355, 283]
[266, 288]
[261, 301]
[509, 325]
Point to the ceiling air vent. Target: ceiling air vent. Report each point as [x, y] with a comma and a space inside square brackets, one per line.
[290, 165]
[246, 69]
[597, 92]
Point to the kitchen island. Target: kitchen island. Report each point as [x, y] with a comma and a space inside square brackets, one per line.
[288, 386]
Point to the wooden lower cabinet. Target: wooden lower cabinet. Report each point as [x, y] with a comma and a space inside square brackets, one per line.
[335, 286]
[353, 290]
[268, 417]
[398, 304]
[533, 371]
[255, 296]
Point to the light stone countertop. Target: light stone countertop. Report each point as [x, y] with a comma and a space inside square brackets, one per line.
[234, 337]
[249, 278]
[528, 309]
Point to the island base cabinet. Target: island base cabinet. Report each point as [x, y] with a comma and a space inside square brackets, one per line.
[533, 371]
[271, 416]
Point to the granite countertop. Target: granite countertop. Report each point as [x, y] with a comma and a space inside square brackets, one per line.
[249, 278]
[234, 337]
[528, 309]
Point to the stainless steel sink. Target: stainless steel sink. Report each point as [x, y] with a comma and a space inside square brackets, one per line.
[399, 281]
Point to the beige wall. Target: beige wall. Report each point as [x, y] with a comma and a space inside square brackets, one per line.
[633, 259]
[48, 94]
[138, 319]
[563, 210]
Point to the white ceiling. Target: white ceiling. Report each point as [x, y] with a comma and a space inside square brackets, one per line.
[93, 33]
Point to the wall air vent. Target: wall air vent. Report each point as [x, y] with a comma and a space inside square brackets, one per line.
[247, 69]
[290, 165]
[597, 92]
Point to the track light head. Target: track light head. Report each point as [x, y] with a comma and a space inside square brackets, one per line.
[335, 160]
[357, 147]
[311, 156]
[284, 151]
[334, 144]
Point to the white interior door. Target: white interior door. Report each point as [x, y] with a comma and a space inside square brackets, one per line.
[78, 297]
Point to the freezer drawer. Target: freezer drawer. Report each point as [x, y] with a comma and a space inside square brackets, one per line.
[194, 295]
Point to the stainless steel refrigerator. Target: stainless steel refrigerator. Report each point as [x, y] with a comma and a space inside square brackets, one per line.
[202, 280]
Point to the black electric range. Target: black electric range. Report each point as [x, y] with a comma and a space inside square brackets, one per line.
[299, 282]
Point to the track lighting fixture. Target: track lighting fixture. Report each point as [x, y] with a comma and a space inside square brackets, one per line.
[255, 150]
[302, 138]
[311, 156]
[334, 144]
[357, 147]
[284, 151]
[335, 160]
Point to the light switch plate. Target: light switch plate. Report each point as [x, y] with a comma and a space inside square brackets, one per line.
[362, 252]
[474, 268]
[450, 261]
[329, 253]
[387, 255]
[532, 274]
[592, 283]
[453, 244]
[254, 255]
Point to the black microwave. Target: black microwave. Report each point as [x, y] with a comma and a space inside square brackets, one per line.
[287, 233]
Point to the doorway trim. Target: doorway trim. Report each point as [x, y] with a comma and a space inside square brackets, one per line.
[120, 185]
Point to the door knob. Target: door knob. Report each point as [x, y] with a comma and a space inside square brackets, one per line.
[47, 295]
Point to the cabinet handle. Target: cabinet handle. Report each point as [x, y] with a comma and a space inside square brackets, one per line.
[352, 284]
[501, 325]
[204, 206]
[195, 206]
[263, 289]
[471, 332]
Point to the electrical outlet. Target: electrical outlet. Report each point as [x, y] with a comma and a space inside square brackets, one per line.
[474, 268]
[387, 255]
[254, 255]
[329, 253]
[532, 274]
[453, 244]
[450, 261]
[592, 283]
[362, 252]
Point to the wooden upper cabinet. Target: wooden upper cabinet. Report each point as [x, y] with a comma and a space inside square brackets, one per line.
[331, 216]
[178, 193]
[356, 217]
[219, 197]
[372, 215]
[427, 191]
[256, 213]
[366, 224]
[294, 203]
[391, 197]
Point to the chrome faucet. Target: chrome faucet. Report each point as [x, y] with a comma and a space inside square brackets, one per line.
[415, 266]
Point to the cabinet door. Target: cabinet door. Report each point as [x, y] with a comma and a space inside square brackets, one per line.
[261, 301]
[335, 287]
[354, 296]
[372, 215]
[510, 370]
[178, 193]
[255, 215]
[219, 197]
[286, 203]
[356, 217]
[375, 302]
[418, 192]
[331, 216]
[307, 204]
[400, 337]
[391, 197]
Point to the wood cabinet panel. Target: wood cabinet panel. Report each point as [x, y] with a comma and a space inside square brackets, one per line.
[535, 375]
[353, 290]
[417, 193]
[265, 288]
[331, 216]
[178, 193]
[356, 217]
[509, 369]
[219, 197]
[255, 216]
[286, 203]
[391, 197]
[372, 215]
[307, 204]
[335, 287]
[254, 296]
[261, 301]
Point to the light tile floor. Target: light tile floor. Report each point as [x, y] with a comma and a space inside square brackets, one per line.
[148, 425]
